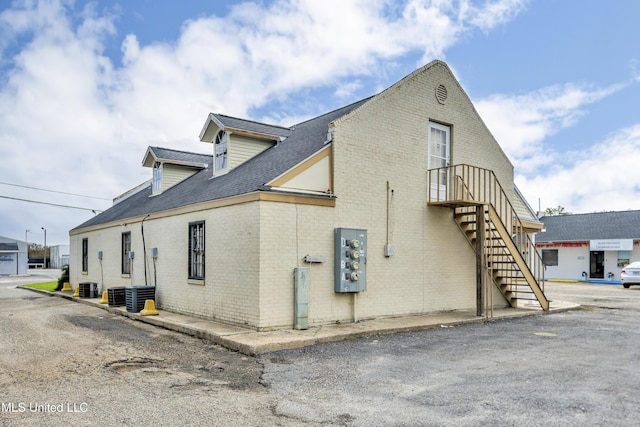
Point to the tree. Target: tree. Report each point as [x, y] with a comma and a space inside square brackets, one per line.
[560, 210]
[36, 250]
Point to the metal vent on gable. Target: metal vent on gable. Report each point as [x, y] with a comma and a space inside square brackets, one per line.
[441, 94]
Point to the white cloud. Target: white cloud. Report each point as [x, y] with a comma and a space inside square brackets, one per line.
[494, 14]
[347, 90]
[603, 178]
[71, 119]
[521, 123]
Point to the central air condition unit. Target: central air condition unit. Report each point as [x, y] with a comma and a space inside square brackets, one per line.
[135, 296]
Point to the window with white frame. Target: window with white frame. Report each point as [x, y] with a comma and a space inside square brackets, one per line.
[196, 250]
[126, 248]
[157, 176]
[220, 151]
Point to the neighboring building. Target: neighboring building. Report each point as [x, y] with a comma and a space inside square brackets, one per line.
[58, 256]
[13, 257]
[592, 247]
[366, 211]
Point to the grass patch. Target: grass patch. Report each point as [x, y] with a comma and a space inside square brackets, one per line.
[46, 286]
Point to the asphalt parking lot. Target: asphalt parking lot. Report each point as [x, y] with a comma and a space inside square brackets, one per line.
[564, 369]
[572, 368]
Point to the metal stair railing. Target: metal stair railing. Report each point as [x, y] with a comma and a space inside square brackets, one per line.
[464, 185]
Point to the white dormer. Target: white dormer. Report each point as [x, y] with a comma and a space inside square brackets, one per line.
[236, 140]
[171, 166]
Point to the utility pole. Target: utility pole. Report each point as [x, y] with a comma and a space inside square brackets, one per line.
[45, 247]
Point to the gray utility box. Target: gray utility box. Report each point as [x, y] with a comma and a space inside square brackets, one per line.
[350, 260]
[301, 298]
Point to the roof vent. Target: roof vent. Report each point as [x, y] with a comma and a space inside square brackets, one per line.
[441, 94]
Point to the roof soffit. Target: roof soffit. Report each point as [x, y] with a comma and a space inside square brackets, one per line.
[149, 158]
[211, 128]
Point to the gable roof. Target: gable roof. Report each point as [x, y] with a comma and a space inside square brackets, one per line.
[176, 157]
[304, 140]
[234, 124]
[591, 226]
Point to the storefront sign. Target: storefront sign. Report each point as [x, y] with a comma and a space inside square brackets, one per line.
[6, 258]
[612, 245]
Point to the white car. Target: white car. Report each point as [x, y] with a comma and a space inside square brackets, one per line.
[630, 275]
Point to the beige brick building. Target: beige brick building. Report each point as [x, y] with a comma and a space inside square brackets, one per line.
[221, 236]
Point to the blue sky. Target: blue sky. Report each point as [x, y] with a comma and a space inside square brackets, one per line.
[86, 86]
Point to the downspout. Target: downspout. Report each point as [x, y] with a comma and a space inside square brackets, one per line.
[388, 247]
[144, 248]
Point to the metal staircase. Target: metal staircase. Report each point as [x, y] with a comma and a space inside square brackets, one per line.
[506, 255]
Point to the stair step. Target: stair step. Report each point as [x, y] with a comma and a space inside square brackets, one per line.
[467, 221]
[518, 294]
[505, 279]
[506, 269]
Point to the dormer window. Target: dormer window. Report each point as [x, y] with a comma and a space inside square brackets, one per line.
[237, 140]
[170, 167]
[220, 151]
[157, 177]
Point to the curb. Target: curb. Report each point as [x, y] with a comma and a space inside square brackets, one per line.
[158, 321]
[253, 343]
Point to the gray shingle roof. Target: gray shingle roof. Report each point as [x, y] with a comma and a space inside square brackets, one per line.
[304, 140]
[592, 226]
[251, 126]
[169, 155]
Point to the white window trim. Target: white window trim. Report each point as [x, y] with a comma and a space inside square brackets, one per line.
[157, 178]
[443, 128]
[225, 157]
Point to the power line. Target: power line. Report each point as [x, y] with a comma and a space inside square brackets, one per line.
[54, 191]
[52, 204]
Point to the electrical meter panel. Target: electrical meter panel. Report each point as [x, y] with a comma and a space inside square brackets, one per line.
[350, 260]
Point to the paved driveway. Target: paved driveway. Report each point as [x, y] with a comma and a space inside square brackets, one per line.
[69, 364]
[578, 368]
[563, 369]
[8, 284]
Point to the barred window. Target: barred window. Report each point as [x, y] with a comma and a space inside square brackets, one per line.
[196, 250]
[126, 248]
[85, 255]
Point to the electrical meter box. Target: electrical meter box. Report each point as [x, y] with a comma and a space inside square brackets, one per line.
[350, 260]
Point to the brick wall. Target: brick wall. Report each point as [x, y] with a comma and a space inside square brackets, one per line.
[433, 268]
[229, 292]
[252, 248]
